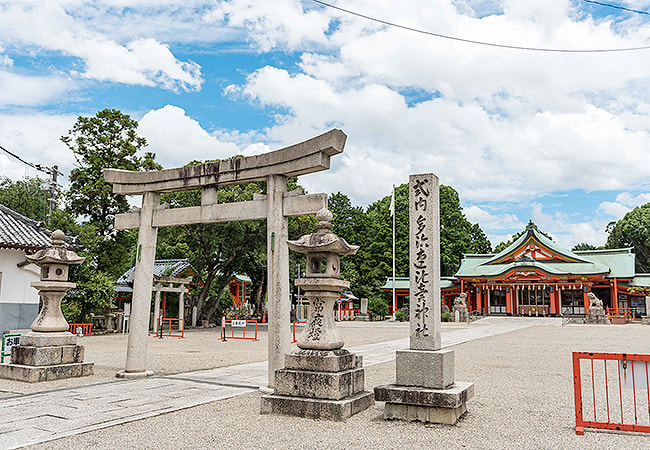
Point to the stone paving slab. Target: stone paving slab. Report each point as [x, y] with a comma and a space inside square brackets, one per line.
[35, 418]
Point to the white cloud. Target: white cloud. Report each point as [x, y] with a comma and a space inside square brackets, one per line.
[613, 209]
[177, 139]
[566, 231]
[489, 222]
[48, 26]
[35, 138]
[624, 203]
[22, 90]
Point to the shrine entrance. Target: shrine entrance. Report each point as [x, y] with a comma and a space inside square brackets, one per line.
[534, 300]
[276, 207]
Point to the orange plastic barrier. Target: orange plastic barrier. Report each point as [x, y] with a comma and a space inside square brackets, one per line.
[616, 389]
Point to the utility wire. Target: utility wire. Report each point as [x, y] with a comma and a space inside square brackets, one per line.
[471, 41]
[18, 158]
[623, 8]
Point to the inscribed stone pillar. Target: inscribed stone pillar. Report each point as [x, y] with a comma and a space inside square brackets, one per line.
[424, 256]
[136, 355]
[277, 230]
[425, 388]
[181, 303]
[156, 309]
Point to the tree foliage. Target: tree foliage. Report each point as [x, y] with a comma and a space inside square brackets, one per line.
[106, 140]
[372, 231]
[633, 230]
[25, 197]
[583, 246]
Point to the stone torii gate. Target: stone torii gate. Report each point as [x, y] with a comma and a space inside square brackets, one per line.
[306, 157]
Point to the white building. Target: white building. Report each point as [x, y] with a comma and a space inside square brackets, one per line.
[18, 300]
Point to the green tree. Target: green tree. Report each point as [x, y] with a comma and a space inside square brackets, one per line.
[93, 293]
[372, 231]
[633, 230]
[583, 246]
[106, 140]
[25, 197]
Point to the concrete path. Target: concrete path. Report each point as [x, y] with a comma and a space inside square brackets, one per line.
[31, 419]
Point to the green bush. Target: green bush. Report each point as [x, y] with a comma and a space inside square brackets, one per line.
[445, 317]
[378, 306]
[399, 315]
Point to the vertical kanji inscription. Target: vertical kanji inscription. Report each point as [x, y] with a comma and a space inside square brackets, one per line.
[424, 266]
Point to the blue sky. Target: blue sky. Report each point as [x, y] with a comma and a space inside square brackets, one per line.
[561, 138]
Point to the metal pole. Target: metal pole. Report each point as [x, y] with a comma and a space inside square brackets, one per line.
[394, 297]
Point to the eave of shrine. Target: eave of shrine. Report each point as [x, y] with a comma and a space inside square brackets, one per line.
[533, 244]
[534, 253]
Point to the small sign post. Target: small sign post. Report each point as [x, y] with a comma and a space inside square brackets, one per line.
[8, 341]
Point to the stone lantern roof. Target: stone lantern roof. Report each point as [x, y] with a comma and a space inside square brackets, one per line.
[323, 241]
[56, 254]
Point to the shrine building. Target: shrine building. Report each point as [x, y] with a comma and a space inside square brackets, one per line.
[534, 276]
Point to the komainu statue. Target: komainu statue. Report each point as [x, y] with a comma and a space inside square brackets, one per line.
[460, 305]
[596, 313]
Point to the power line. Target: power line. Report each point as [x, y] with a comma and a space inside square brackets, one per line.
[18, 157]
[471, 41]
[623, 8]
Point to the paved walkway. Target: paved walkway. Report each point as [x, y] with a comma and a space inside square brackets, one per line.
[31, 419]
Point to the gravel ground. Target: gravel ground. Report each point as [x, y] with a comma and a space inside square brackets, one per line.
[200, 349]
[523, 399]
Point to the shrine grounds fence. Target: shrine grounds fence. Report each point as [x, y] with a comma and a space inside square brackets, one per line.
[86, 328]
[611, 391]
[293, 327]
[237, 324]
[161, 329]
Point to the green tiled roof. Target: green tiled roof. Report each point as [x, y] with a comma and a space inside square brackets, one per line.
[611, 263]
[402, 283]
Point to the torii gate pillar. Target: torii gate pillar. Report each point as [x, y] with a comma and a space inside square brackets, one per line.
[277, 234]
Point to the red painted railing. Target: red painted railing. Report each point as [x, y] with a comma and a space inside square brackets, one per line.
[160, 327]
[293, 326]
[619, 391]
[232, 329]
[86, 328]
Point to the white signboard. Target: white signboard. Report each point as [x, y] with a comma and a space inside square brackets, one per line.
[238, 323]
[640, 375]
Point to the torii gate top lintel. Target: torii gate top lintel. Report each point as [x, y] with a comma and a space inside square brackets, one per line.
[312, 155]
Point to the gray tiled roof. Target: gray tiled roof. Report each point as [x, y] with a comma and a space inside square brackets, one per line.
[161, 268]
[18, 231]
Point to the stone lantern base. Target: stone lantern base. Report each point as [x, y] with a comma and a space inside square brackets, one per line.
[46, 357]
[319, 384]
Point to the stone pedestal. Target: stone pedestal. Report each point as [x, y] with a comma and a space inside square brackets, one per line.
[46, 357]
[425, 389]
[319, 384]
[423, 404]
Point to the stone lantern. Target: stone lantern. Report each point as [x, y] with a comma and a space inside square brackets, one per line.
[322, 285]
[321, 380]
[55, 262]
[49, 351]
